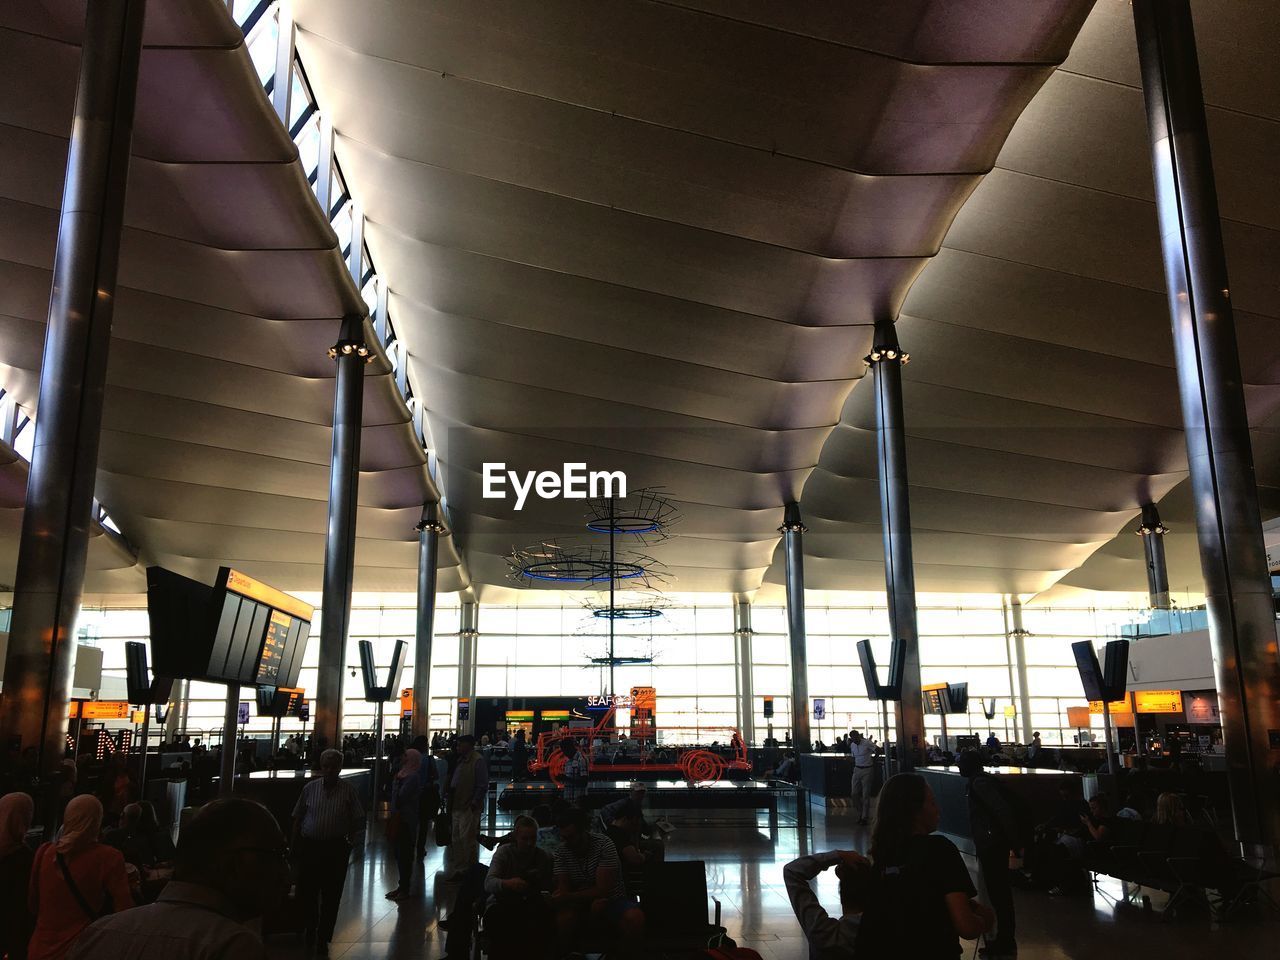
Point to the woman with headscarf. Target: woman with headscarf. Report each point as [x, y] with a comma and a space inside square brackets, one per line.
[16, 811]
[402, 829]
[74, 881]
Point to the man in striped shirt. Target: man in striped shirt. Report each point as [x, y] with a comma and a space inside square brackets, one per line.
[327, 815]
[588, 884]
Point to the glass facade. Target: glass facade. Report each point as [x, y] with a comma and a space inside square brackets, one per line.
[532, 651]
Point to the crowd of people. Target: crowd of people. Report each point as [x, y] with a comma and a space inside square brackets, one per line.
[111, 882]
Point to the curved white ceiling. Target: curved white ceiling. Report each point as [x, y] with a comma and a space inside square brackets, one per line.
[656, 256]
[653, 236]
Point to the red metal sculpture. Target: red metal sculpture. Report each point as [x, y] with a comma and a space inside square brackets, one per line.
[636, 749]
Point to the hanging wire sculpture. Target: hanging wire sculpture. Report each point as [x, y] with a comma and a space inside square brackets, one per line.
[639, 520]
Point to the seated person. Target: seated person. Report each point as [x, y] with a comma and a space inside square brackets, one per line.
[588, 885]
[548, 833]
[829, 937]
[518, 881]
[1132, 808]
[1098, 821]
[146, 846]
[624, 831]
[788, 769]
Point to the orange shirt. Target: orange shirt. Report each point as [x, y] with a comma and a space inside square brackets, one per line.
[98, 872]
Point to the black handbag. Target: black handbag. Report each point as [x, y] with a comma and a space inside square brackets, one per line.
[444, 828]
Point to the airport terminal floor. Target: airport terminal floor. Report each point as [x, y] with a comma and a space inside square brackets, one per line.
[744, 872]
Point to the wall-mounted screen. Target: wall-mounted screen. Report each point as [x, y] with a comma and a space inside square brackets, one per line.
[239, 630]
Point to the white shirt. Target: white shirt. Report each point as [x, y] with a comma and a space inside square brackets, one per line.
[863, 753]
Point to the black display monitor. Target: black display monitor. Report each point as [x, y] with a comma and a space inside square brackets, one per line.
[238, 631]
[1089, 670]
[278, 701]
[935, 699]
[957, 697]
[868, 660]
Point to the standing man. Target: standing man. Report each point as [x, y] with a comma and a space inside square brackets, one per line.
[576, 773]
[519, 756]
[467, 790]
[1033, 751]
[995, 826]
[328, 814]
[863, 751]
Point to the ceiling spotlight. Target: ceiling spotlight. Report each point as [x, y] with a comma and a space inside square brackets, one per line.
[890, 353]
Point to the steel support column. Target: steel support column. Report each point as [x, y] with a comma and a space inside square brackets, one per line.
[742, 634]
[792, 531]
[429, 530]
[1152, 532]
[230, 741]
[59, 503]
[1020, 634]
[351, 353]
[468, 634]
[1242, 622]
[886, 360]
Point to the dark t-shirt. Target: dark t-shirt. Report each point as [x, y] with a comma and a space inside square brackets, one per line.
[905, 913]
[621, 839]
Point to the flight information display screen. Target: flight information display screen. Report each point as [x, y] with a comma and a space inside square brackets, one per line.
[274, 648]
[240, 630]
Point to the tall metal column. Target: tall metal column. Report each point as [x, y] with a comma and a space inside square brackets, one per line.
[742, 634]
[1152, 532]
[230, 741]
[429, 530]
[792, 531]
[468, 634]
[351, 353]
[55, 523]
[1019, 634]
[1242, 622]
[886, 360]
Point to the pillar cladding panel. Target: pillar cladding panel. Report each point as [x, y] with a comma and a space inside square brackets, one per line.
[50, 575]
[1219, 450]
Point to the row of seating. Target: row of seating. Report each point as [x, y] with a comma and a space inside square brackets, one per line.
[1187, 862]
[675, 902]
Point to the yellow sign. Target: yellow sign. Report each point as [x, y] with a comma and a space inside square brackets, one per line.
[1113, 708]
[246, 586]
[406, 702]
[139, 716]
[1011, 711]
[98, 710]
[1157, 701]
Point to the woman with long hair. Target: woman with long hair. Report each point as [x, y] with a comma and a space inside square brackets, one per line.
[1171, 811]
[16, 813]
[919, 899]
[74, 881]
[402, 828]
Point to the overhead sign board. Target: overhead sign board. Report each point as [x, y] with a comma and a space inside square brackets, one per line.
[1157, 701]
[1113, 708]
[1078, 717]
[99, 710]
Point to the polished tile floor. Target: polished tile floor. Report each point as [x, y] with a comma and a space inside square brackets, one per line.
[745, 874]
